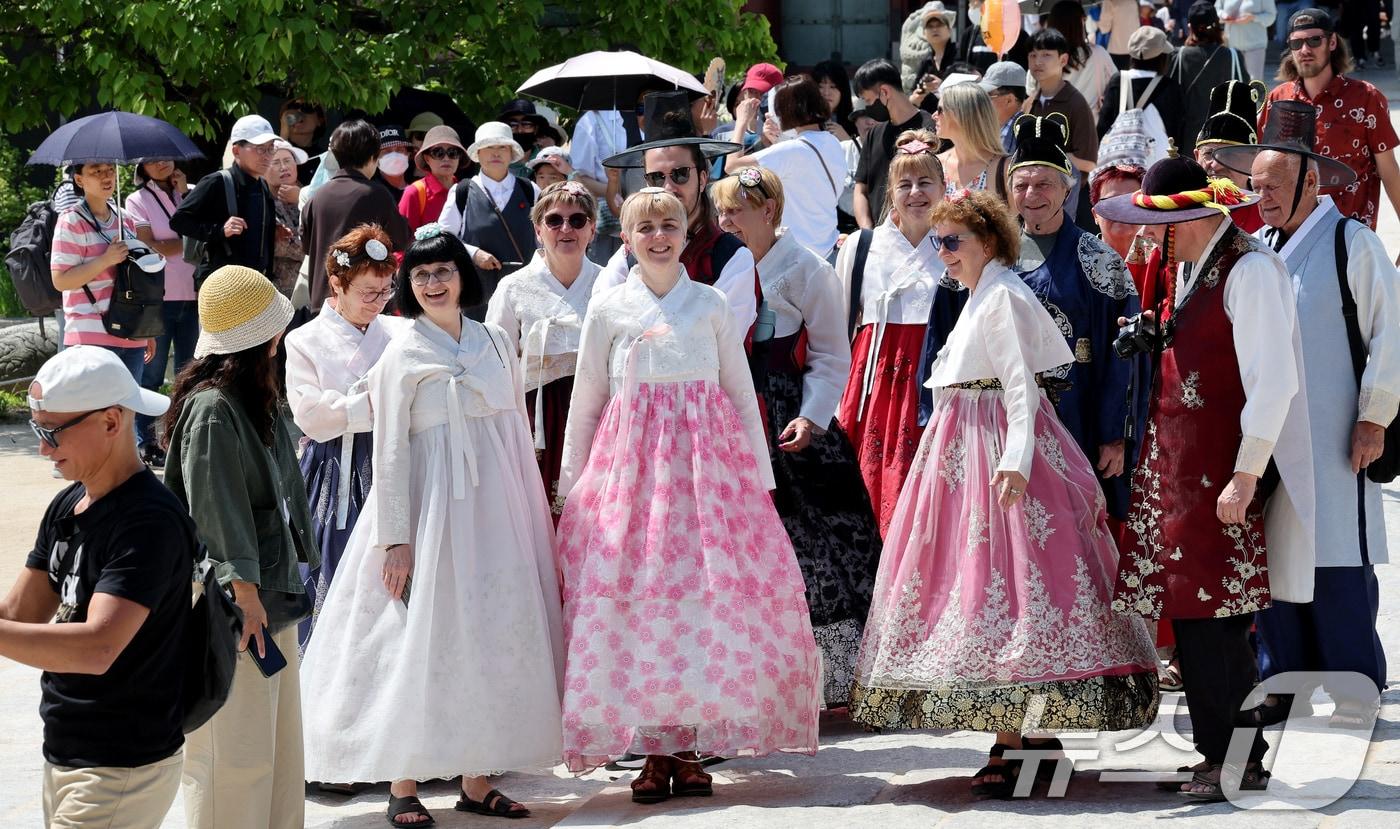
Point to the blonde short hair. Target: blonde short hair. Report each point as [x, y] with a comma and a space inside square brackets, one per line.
[922, 162]
[733, 193]
[651, 202]
[564, 193]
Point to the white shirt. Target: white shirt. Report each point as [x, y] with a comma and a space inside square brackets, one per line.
[1004, 333]
[598, 134]
[543, 318]
[1260, 305]
[802, 289]
[499, 191]
[899, 278]
[812, 169]
[735, 281]
[631, 336]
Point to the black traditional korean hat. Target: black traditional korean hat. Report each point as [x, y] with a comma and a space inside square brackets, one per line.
[1175, 189]
[1041, 142]
[1291, 128]
[1234, 110]
[668, 125]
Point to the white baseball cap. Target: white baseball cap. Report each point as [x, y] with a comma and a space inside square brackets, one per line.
[252, 128]
[85, 378]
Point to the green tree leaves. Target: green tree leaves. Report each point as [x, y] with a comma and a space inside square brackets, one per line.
[201, 63]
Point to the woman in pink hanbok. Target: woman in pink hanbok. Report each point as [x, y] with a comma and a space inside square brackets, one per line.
[685, 622]
[991, 609]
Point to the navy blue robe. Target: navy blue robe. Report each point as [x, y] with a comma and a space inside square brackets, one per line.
[1086, 288]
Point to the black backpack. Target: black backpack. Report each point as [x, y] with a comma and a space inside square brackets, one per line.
[210, 649]
[28, 260]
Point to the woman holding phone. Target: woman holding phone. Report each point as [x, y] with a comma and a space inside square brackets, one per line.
[439, 649]
[232, 463]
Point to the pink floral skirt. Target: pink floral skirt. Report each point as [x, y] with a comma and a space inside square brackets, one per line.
[997, 619]
[685, 620]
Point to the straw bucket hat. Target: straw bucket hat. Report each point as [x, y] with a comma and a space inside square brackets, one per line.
[239, 308]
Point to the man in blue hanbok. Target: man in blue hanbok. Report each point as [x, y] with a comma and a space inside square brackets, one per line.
[1085, 286]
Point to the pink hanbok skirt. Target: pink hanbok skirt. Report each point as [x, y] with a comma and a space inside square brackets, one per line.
[994, 619]
[685, 618]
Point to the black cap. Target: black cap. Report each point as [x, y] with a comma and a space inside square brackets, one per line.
[1202, 15]
[392, 134]
[1311, 19]
[1234, 111]
[522, 106]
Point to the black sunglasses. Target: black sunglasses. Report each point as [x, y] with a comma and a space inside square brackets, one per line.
[444, 153]
[951, 241]
[679, 175]
[1313, 42]
[50, 436]
[577, 221]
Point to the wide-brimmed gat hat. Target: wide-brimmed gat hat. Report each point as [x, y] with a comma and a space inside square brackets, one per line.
[1291, 128]
[239, 309]
[1234, 110]
[439, 136]
[494, 134]
[668, 123]
[1175, 190]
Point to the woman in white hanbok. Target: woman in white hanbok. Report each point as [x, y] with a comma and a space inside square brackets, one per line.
[541, 309]
[327, 360]
[439, 647]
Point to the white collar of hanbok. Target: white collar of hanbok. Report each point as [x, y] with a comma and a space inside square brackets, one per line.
[366, 345]
[1308, 225]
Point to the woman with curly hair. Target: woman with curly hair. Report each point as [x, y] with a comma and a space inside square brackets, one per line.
[327, 360]
[992, 604]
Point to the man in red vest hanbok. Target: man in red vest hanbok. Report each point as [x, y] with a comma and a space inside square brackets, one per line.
[1225, 401]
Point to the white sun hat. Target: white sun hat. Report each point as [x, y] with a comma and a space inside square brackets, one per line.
[495, 134]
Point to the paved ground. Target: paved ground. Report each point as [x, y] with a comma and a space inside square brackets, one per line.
[857, 779]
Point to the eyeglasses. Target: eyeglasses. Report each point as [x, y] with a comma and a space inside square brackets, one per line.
[577, 221]
[1313, 42]
[679, 175]
[260, 149]
[442, 276]
[444, 153]
[952, 241]
[375, 297]
[50, 436]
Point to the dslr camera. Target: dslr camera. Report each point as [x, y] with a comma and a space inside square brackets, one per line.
[1140, 336]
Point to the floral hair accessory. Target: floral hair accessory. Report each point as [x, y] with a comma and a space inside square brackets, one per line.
[573, 188]
[960, 195]
[915, 147]
[751, 178]
[375, 250]
[428, 231]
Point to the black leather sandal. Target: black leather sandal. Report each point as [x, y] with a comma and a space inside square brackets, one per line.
[494, 804]
[1008, 771]
[410, 805]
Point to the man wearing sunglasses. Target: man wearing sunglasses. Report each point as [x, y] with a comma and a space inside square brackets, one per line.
[101, 604]
[247, 234]
[678, 160]
[1353, 117]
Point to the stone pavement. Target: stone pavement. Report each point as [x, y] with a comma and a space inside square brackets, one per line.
[857, 779]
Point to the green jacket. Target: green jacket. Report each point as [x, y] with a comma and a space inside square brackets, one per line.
[238, 492]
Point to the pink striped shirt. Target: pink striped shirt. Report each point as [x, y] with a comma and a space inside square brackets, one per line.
[76, 241]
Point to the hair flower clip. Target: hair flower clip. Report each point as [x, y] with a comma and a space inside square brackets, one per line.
[573, 188]
[960, 195]
[750, 177]
[341, 257]
[428, 231]
[914, 147]
[376, 250]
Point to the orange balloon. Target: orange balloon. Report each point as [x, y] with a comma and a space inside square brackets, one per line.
[1001, 25]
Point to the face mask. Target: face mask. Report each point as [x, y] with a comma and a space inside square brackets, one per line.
[526, 140]
[394, 164]
[878, 111]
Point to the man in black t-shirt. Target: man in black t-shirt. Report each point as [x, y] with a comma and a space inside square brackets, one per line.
[102, 602]
[878, 84]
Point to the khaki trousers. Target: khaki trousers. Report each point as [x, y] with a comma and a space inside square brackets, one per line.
[243, 768]
[110, 797]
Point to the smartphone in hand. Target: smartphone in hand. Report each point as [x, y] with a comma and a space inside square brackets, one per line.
[274, 661]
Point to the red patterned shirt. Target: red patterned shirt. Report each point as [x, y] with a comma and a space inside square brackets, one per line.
[1353, 126]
